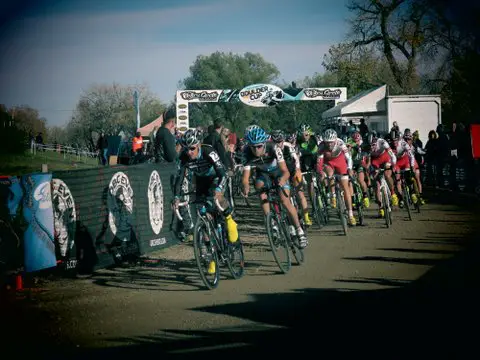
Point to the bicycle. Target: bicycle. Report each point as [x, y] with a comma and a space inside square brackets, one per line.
[406, 194]
[341, 206]
[210, 242]
[317, 199]
[280, 229]
[358, 200]
[384, 196]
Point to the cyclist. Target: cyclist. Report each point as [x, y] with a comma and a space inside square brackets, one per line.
[210, 175]
[381, 155]
[270, 168]
[405, 161]
[408, 137]
[293, 164]
[359, 155]
[337, 160]
[307, 145]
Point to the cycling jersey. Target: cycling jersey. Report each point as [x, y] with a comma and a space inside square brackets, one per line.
[339, 149]
[266, 163]
[403, 149]
[207, 166]
[291, 157]
[308, 152]
[382, 153]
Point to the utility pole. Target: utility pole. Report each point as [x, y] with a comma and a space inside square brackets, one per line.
[136, 104]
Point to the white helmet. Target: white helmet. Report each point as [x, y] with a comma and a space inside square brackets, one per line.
[329, 135]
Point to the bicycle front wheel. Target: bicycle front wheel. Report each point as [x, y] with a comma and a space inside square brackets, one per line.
[342, 210]
[278, 242]
[205, 253]
[235, 259]
[407, 200]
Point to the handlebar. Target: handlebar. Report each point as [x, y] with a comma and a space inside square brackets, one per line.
[186, 203]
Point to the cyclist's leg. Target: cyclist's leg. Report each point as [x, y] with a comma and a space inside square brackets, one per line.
[330, 185]
[419, 182]
[363, 185]
[263, 183]
[301, 197]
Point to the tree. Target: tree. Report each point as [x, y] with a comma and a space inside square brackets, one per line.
[229, 71]
[110, 108]
[398, 29]
[358, 69]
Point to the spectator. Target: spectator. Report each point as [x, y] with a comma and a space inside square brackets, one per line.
[102, 147]
[431, 148]
[395, 127]
[39, 140]
[418, 144]
[363, 128]
[214, 139]
[137, 147]
[442, 154]
[165, 149]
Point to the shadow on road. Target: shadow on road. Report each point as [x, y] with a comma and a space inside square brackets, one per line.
[435, 316]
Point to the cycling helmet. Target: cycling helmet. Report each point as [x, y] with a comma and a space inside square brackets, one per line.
[278, 136]
[256, 136]
[319, 138]
[330, 135]
[250, 127]
[292, 138]
[356, 136]
[373, 137]
[191, 137]
[305, 128]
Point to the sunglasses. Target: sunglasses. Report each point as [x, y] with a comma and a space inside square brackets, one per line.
[256, 146]
[192, 148]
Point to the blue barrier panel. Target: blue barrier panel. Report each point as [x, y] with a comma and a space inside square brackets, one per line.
[38, 213]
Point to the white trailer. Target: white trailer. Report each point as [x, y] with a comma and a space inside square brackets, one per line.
[416, 112]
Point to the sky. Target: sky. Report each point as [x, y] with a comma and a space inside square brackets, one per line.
[52, 50]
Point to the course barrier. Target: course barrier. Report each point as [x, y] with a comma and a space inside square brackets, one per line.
[92, 218]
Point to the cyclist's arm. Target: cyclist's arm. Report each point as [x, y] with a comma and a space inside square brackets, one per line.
[411, 155]
[348, 157]
[295, 157]
[179, 181]
[282, 165]
[220, 170]
[388, 149]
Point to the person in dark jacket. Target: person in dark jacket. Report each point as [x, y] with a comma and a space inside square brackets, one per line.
[431, 149]
[165, 149]
[214, 139]
[102, 147]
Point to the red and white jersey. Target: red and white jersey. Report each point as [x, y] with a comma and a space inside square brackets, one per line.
[404, 149]
[324, 153]
[380, 147]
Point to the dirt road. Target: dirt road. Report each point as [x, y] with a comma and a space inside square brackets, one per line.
[402, 289]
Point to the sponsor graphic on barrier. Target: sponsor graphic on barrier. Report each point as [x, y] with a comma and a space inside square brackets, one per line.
[64, 220]
[155, 202]
[38, 213]
[120, 206]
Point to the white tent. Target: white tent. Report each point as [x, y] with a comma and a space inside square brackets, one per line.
[369, 103]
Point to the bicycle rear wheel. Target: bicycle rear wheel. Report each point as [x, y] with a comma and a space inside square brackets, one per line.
[205, 252]
[359, 200]
[278, 242]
